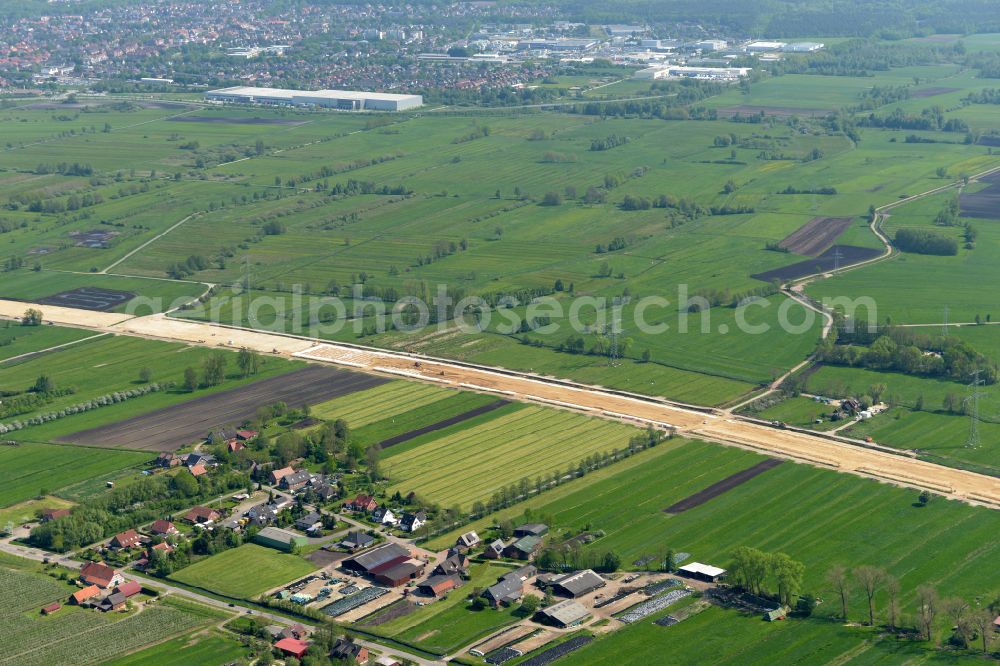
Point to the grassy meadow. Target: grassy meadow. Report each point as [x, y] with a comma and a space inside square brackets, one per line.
[226, 573]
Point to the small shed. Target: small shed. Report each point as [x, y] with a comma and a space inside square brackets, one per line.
[51, 608]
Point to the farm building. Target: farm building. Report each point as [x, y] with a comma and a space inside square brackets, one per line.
[345, 100]
[436, 586]
[400, 574]
[378, 559]
[357, 540]
[275, 537]
[565, 614]
[292, 647]
[81, 596]
[129, 589]
[576, 584]
[776, 614]
[524, 548]
[531, 529]
[113, 602]
[101, 575]
[54, 514]
[494, 550]
[51, 608]
[700, 571]
[278, 474]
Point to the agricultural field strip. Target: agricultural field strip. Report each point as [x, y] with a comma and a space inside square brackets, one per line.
[966, 486]
[365, 407]
[540, 440]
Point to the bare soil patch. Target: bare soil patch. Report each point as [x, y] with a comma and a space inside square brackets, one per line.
[849, 255]
[89, 298]
[324, 558]
[170, 428]
[722, 487]
[464, 416]
[816, 235]
[235, 121]
[783, 111]
[984, 204]
[401, 608]
[932, 92]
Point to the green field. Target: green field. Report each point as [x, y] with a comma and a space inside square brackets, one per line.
[800, 411]
[200, 648]
[227, 572]
[837, 519]
[16, 340]
[728, 637]
[77, 635]
[539, 440]
[453, 404]
[32, 469]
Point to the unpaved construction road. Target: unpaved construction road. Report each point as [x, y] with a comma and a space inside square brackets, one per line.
[693, 421]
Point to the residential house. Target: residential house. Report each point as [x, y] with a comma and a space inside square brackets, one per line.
[246, 435]
[467, 541]
[126, 539]
[292, 647]
[293, 631]
[325, 491]
[277, 475]
[350, 652]
[81, 596]
[164, 548]
[295, 480]
[505, 591]
[412, 522]
[356, 540]
[54, 514]
[198, 470]
[162, 528]
[455, 564]
[310, 521]
[262, 514]
[202, 515]
[203, 459]
[383, 515]
[531, 529]
[235, 445]
[101, 575]
[524, 548]
[364, 503]
[494, 550]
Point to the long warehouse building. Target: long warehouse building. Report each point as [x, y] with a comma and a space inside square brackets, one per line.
[347, 100]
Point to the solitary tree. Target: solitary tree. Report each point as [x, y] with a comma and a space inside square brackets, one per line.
[248, 362]
[145, 375]
[190, 379]
[957, 609]
[870, 578]
[982, 621]
[927, 609]
[892, 601]
[214, 369]
[32, 317]
[837, 578]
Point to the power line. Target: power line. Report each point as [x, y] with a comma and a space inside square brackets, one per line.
[975, 394]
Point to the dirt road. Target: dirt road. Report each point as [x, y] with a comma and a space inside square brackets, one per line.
[693, 421]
